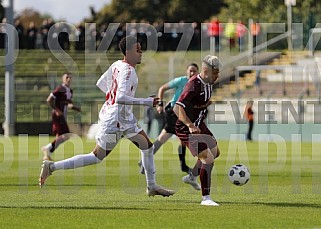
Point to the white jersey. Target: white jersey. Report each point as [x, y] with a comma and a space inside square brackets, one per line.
[119, 83]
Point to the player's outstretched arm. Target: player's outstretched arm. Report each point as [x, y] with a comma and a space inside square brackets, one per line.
[122, 98]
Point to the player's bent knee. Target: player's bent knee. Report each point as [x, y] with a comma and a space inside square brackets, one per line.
[207, 160]
[216, 152]
[141, 140]
[100, 153]
[206, 157]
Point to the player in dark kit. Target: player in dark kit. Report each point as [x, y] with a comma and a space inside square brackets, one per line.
[191, 110]
[178, 85]
[59, 100]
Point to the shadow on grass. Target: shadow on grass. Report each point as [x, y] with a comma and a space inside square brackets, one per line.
[74, 207]
[53, 185]
[295, 205]
[291, 205]
[90, 208]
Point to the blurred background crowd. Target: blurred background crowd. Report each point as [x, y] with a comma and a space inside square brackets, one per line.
[168, 18]
[169, 34]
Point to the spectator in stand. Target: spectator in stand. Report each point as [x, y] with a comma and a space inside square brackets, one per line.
[255, 31]
[53, 41]
[214, 31]
[3, 34]
[20, 30]
[175, 36]
[121, 31]
[44, 33]
[91, 37]
[230, 31]
[39, 40]
[31, 36]
[63, 36]
[167, 36]
[46, 26]
[102, 33]
[240, 32]
[205, 37]
[159, 26]
[80, 33]
[195, 43]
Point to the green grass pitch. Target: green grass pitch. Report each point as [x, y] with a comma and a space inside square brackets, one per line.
[284, 190]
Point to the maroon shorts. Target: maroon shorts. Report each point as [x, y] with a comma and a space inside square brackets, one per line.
[59, 125]
[196, 142]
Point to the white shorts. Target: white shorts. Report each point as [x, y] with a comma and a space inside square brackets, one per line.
[108, 136]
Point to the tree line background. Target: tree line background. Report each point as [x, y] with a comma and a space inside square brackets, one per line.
[305, 11]
[149, 11]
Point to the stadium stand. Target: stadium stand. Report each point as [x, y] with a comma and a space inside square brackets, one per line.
[287, 83]
[36, 73]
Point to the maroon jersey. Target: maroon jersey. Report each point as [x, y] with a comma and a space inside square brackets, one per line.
[194, 98]
[62, 95]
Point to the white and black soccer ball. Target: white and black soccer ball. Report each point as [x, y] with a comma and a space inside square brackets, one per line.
[239, 174]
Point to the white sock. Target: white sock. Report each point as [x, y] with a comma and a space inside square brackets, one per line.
[48, 146]
[148, 163]
[207, 197]
[76, 162]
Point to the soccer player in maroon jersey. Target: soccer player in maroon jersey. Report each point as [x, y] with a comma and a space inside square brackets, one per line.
[191, 110]
[60, 100]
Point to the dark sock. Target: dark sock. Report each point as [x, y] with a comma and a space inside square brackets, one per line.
[182, 155]
[53, 146]
[205, 177]
[197, 168]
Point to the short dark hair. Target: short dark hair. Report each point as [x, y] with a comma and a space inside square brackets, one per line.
[126, 43]
[194, 65]
[67, 73]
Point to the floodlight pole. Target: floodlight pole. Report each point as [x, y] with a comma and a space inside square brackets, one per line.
[250, 59]
[301, 110]
[289, 9]
[289, 4]
[9, 123]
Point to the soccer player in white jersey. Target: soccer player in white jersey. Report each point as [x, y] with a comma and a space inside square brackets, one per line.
[117, 120]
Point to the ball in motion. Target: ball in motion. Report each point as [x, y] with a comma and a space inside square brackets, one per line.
[239, 174]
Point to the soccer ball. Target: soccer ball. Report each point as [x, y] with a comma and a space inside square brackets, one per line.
[239, 174]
